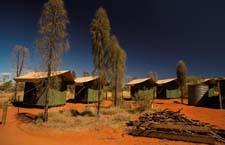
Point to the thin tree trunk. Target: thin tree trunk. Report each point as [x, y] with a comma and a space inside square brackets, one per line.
[220, 97]
[182, 94]
[22, 62]
[19, 70]
[116, 83]
[51, 49]
[15, 93]
[17, 74]
[115, 93]
[99, 97]
[48, 81]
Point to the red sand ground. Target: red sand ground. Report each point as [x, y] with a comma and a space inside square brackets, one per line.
[17, 133]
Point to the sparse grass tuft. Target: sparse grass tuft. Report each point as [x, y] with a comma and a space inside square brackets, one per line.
[39, 121]
[89, 111]
[74, 120]
[121, 117]
[111, 110]
[124, 104]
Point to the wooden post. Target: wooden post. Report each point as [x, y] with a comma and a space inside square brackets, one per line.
[220, 97]
[4, 114]
[18, 109]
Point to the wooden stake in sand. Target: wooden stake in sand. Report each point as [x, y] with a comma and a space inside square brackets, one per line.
[4, 114]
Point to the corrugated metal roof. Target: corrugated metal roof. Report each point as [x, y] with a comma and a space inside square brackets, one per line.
[164, 81]
[137, 81]
[81, 80]
[32, 76]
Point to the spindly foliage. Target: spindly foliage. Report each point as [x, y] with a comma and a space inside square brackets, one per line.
[19, 59]
[116, 65]
[100, 35]
[85, 73]
[53, 36]
[181, 77]
[53, 39]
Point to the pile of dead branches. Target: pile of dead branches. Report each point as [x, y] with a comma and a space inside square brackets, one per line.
[171, 125]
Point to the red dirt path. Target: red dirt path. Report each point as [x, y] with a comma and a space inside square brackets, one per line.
[17, 133]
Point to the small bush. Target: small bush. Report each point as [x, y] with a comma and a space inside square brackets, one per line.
[124, 104]
[143, 101]
[39, 121]
[109, 111]
[85, 120]
[121, 117]
[89, 111]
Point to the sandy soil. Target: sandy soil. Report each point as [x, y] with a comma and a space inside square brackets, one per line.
[16, 132]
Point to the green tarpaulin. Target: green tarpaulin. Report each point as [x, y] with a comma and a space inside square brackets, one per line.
[55, 98]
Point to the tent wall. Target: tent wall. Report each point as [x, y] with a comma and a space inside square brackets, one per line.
[92, 95]
[211, 91]
[55, 98]
[168, 90]
[149, 93]
[81, 94]
[34, 94]
[172, 93]
[142, 88]
[87, 93]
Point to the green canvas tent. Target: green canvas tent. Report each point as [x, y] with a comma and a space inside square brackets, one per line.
[167, 88]
[86, 89]
[143, 85]
[35, 85]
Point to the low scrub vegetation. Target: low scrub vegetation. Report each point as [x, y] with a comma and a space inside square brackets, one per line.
[86, 119]
[67, 119]
[143, 102]
[111, 110]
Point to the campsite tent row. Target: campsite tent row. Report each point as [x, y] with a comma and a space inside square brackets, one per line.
[205, 93]
[86, 89]
[35, 85]
[166, 88]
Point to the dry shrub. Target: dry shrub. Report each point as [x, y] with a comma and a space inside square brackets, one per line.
[124, 104]
[68, 119]
[85, 120]
[114, 117]
[89, 111]
[143, 102]
[111, 110]
[121, 117]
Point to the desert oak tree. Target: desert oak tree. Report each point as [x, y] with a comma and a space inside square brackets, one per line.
[19, 59]
[53, 40]
[181, 77]
[100, 35]
[116, 65]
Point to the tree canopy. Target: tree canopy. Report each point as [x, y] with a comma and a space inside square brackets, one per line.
[181, 77]
[52, 41]
[53, 36]
[116, 65]
[100, 35]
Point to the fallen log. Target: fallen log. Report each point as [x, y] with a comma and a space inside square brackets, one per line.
[166, 124]
[170, 126]
[174, 136]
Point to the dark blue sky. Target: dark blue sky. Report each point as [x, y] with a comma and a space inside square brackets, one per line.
[154, 33]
